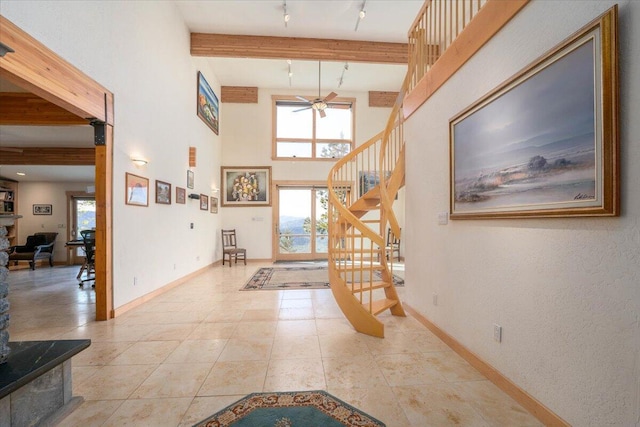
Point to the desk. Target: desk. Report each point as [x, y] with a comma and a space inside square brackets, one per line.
[74, 244]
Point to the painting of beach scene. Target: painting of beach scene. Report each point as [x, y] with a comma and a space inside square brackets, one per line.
[534, 144]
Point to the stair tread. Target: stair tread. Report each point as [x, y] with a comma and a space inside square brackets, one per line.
[380, 305]
[358, 287]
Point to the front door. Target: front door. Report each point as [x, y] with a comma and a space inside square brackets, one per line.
[301, 223]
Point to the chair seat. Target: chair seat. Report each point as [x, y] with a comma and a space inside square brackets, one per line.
[230, 248]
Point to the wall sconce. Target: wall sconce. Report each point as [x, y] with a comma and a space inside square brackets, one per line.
[139, 162]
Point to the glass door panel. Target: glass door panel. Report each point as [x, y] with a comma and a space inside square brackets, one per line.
[321, 228]
[84, 218]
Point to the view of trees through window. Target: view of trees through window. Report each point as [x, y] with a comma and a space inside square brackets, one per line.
[302, 133]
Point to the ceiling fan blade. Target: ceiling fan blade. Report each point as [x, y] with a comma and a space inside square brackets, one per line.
[322, 113]
[302, 109]
[330, 97]
[340, 106]
[301, 98]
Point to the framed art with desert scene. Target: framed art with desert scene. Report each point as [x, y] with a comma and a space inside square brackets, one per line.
[246, 186]
[137, 190]
[544, 143]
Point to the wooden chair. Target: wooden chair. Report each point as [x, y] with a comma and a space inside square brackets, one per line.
[393, 245]
[230, 248]
[89, 239]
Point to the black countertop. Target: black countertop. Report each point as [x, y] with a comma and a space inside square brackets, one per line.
[30, 359]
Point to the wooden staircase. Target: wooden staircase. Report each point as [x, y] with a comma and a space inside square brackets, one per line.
[362, 188]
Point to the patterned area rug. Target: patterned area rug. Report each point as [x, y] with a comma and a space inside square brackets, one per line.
[302, 277]
[290, 409]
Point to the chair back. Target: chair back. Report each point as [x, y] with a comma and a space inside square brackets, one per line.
[89, 239]
[229, 239]
[391, 238]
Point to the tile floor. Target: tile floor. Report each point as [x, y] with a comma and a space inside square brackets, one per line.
[201, 346]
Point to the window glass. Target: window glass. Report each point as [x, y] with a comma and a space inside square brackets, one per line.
[292, 123]
[336, 124]
[333, 150]
[293, 149]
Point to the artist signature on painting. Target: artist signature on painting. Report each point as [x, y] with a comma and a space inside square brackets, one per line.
[582, 196]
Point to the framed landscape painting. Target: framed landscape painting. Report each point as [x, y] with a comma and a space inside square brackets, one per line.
[181, 195]
[137, 190]
[246, 186]
[163, 192]
[545, 143]
[214, 205]
[207, 104]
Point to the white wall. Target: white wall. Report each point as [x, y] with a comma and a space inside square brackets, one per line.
[50, 193]
[140, 52]
[565, 291]
[246, 130]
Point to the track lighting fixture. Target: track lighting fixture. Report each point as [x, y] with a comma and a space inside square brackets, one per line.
[286, 16]
[361, 15]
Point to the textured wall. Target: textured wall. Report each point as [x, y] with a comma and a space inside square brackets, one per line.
[565, 291]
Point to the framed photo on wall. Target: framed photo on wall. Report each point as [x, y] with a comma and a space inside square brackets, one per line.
[43, 209]
[214, 205]
[163, 192]
[246, 186]
[204, 202]
[181, 195]
[136, 190]
[207, 104]
[544, 143]
[190, 179]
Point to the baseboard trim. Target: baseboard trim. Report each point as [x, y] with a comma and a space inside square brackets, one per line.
[537, 409]
[147, 297]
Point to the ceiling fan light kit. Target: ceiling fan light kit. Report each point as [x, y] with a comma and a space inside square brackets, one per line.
[319, 104]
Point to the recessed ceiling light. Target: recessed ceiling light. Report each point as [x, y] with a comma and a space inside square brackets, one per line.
[20, 173]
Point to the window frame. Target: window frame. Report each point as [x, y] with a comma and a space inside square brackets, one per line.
[314, 141]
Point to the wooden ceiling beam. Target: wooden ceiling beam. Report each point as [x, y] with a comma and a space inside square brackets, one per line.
[26, 109]
[267, 47]
[48, 156]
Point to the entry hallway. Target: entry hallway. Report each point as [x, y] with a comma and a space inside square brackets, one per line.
[197, 348]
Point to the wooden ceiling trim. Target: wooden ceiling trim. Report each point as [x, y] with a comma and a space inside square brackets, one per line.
[382, 99]
[26, 109]
[267, 47]
[48, 156]
[239, 94]
[38, 69]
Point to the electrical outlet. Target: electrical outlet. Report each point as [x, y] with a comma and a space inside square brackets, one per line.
[497, 332]
[435, 299]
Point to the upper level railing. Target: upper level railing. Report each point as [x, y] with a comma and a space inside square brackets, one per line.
[437, 25]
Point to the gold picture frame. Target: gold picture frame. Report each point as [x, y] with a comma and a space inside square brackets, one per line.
[246, 186]
[545, 143]
[136, 190]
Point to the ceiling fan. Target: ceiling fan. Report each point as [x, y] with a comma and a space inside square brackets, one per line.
[320, 104]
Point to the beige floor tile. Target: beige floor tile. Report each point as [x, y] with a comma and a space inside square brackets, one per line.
[114, 382]
[229, 315]
[258, 314]
[294, 328]
[452, 367]
[197, 351]
[379, 402]
[100, 353]
[173, 380]
[169, 332]
[306, 313]
[438, 405]
[295, 375]
[247, 349]
[235, 378]
[300, 347]
[407, 369]
[149, 412]
[343, 345]
[354, 372]
[496, 407]
[297, 303]
[81, 373]
[212, 331]
[334, 326]
[92, 413]
[108, 331]
[146, 353]
[203, 407]
[263, 329]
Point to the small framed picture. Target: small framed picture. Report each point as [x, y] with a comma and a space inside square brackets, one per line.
[214, 205]
[137, 190]
[163, 192]
[204, 202]
[190, 179]
[181, 195]
[43, 209]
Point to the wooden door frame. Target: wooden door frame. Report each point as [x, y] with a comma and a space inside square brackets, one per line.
[276, 208]
[41, 71]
